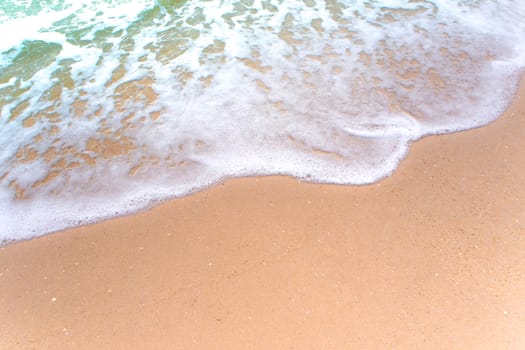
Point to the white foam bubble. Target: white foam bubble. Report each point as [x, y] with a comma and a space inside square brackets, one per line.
[107, 107]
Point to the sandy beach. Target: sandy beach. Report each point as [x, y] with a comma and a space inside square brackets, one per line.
[432, 257]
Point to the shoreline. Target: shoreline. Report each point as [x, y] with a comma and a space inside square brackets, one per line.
[430, 257]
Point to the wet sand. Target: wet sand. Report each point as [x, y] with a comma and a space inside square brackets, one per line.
[431, 258]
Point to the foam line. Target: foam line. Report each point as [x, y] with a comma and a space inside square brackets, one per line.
[109, 106]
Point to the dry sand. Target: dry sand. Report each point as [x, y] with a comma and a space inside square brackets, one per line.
[430, 258]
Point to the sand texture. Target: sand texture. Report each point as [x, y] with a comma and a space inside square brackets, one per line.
[431, 258]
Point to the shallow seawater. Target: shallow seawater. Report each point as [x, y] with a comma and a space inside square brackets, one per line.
[109, 106]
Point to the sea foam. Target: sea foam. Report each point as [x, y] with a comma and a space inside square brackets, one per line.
[110, 106]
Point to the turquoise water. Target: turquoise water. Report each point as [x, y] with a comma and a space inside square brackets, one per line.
[109, 106]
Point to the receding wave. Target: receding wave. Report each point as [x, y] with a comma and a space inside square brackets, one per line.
[109, 106]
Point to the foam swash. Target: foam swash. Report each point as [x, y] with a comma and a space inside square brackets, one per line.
[107, 107]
